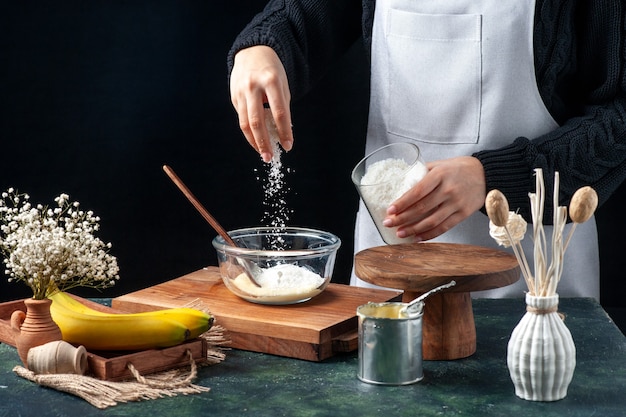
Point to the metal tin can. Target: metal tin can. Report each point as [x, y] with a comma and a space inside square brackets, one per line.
[390, 344]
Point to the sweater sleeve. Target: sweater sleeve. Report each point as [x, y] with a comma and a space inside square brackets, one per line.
[307, 35]
[581, 74]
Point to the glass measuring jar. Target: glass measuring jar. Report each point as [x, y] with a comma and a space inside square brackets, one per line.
[383, 176]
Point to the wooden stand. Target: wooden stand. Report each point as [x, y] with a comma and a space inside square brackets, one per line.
[449, 331]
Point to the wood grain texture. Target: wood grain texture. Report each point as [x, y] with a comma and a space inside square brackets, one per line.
[419, 267]
[448, 328]
[449, 331]
[113, 366]
[305, 330]
[7, 334]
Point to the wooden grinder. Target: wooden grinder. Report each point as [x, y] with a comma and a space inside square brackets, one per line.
[449, 331]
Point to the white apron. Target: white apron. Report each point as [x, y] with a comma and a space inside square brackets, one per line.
[456, 77]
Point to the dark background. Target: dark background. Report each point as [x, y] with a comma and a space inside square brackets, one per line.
[95, 96]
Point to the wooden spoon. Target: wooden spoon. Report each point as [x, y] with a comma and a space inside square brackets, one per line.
[251, 269]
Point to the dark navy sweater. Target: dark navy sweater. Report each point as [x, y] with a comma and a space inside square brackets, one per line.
[580, 65]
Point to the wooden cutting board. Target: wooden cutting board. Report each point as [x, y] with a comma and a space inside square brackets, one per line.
[314, 330]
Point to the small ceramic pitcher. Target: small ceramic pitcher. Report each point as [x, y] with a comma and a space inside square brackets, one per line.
[58, 357]
[34, 327]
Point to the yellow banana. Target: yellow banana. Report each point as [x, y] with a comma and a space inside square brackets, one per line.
[70, 302]
[196, 321]
[97, 330]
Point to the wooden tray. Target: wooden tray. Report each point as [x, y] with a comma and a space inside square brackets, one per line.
[313, 330]
[112, 366]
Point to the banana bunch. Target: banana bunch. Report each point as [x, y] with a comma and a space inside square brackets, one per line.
[97, 330]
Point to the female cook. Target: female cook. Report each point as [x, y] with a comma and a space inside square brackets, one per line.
[488, 89]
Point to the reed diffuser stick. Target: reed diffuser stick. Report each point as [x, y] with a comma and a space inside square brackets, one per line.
[548, 264]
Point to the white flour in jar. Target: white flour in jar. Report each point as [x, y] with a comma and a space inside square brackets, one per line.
[383, 183]
[281, 283]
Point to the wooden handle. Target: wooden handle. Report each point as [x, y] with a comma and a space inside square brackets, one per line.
[203, 211]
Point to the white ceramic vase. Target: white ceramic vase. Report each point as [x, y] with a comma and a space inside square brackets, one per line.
[541, 354]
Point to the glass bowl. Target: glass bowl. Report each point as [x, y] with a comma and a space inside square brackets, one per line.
[291, 264]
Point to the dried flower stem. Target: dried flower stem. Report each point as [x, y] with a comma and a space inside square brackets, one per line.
[521, 259]
[547, 274]
[537, 201]
[582, 206]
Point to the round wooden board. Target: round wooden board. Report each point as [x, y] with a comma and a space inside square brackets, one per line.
[419, 267]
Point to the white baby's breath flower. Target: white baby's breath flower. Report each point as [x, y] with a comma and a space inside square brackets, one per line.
[51, 249]
[517, 228]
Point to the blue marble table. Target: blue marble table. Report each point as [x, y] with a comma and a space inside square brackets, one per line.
[255, 384]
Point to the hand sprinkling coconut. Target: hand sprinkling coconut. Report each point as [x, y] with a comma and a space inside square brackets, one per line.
[508, 229]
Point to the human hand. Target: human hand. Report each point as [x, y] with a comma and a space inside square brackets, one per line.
[451, 191]
[258, 77]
